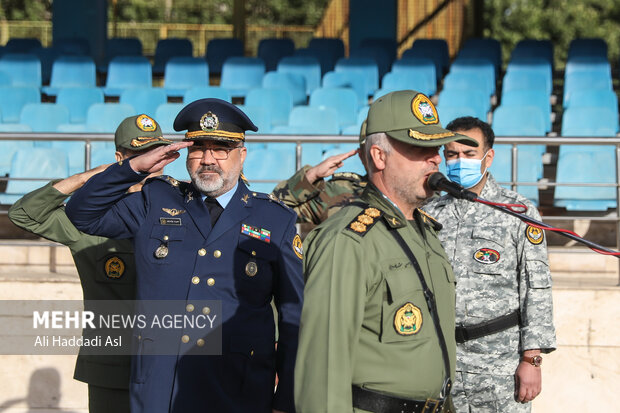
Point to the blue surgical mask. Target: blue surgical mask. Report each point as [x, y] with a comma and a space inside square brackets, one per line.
[465, 171]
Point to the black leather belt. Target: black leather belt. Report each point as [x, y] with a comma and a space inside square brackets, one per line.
[382, 403]
[498, 324]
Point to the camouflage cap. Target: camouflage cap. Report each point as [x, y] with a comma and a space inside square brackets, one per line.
[410, 117]
[139, 132]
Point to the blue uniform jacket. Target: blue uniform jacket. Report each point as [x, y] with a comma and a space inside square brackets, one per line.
[205, 263]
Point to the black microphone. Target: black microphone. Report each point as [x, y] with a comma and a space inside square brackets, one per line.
[438, 182]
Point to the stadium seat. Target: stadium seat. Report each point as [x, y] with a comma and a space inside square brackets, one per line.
[366, 66]
[474, 99]
[468, 81]
[473, 65]
[240, 74]
[278, 101]
[330, 50]
[353, 80]
[531, 97]
[74, 46]
[78, 100]
[218, 50]
[533, 49]
[47, 56]
[105, 117]
[525, 70]
[272, 163]
[529, 80]
[384, 91]
[24, 69]
[46, 163]
[120, 46]
[308, 67]
[483, 48]
[183, 73]
[594, 98]
[310, 120]
[584, 47]
[8, 149]
[272, 50]
[13, 99]
[5, 79]
[71, 71]
[389, 45]
[448, 113]
[14, 127]
[259, 115]
[165, 115]
[435, 49]
[578, 121]
[422, 70]
[168, 48]
[354, 130]
[594, 64]
[22, 45]
[585, 81]
[44, 117]
[144, 100]
[293, 82]
[102, 153]
[127, 72]
[177, 168]
[381, 57]
[343, 100]
[202, 92]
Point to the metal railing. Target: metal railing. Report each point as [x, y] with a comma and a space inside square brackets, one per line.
[88, 138]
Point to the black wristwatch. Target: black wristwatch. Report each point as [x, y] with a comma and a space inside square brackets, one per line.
[535, 361]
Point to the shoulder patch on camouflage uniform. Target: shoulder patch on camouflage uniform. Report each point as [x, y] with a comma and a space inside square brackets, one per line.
[534, 235]
[346, 176]
[431, 221]
[364, 221]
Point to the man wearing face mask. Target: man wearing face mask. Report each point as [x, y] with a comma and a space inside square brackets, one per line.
[503, 285]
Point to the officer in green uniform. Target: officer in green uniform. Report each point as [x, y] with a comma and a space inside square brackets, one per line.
[377, 326]
[106, 267]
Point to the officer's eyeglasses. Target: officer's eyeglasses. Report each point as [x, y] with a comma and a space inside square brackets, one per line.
[219, 153]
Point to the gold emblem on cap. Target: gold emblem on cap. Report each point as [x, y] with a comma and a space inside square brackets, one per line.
[365, 219]
[424, 110]
[114, 267]
[358, 226]
[146, 123]
[408, 320]
[372, 212]
[209, 122]
[251, 269]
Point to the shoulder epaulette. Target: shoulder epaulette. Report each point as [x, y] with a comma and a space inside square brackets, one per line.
[365, 220]
[346, 176]
[436, 225]
[181, 185]
[271, 198]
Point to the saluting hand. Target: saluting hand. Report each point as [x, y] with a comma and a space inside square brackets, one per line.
[154, 160]
[328, 166]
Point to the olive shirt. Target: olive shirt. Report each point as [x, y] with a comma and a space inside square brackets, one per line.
[315, 201]
[42, 213]
[359, 284]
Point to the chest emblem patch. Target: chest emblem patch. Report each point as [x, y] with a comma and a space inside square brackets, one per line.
[408, 320]
[173, 211]
[534, 235]
[486, 256]
[255, 232]
[114, 267]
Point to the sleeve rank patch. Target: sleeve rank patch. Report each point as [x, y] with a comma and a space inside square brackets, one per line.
[364, 221]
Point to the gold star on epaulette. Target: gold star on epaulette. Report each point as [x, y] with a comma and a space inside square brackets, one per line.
[430, 221]
[364, 221]
[172, 181]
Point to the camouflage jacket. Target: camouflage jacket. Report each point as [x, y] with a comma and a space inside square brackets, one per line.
[315, 202]
[500, 265]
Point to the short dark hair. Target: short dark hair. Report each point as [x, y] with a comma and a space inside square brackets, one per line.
[469, 122]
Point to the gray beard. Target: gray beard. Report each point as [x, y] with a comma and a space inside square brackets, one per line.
[213, 186]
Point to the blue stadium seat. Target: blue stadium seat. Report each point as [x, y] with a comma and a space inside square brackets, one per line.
[526, 157]
[533, 49]
[22, 45]
[354, 130]
[384, 91]
[366, 66]
[47, 56]
[183, 73]
[14, 127]
[202, 92]
[406, 81]
[218, 50]
[308, 67]
[105, 117]
[13, 99]
[448, 113]
[587, 47]
[435, 49]
[476, 66]
[420, 68]
[293, 82]
[310, 120]
[531, 97]
[127, 72]
[260, 116]
[529, 70]
[177, 168]
[483, 48]
[71, 71]
[8, 149]
[74, 46]
[274, 162]
[240, 74]
[102, 153]
[168, 48]
[474, 99]
[44, 117]
[585, 81]
[519, 120]
[144, 100]
[353, 80]
[24, 69]
[389, 45]
[352, 164]
[165, 115]
[46, 163]
[468, 81]
[78, 100]
[593, 64]
[5, 79]
[278, 101]
[272, 50]
[578, 121]
[594, 98]
[331, 49]
[381, 57]
[120, 46]
[343, 100]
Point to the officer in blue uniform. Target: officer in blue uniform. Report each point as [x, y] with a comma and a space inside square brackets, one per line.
[211, 239]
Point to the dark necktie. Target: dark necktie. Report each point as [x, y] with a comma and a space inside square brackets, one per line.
[215, 209]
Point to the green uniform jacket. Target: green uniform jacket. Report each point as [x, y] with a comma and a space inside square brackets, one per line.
[41, 212]
[365, 320]
[314, 202]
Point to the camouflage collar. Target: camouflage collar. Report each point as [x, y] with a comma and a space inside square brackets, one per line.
[392, 216]
[491, 189]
